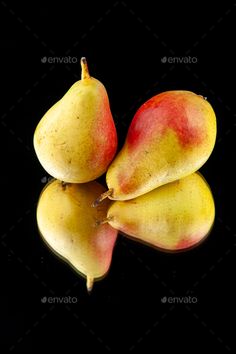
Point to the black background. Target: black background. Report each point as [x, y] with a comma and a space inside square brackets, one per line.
[124, 43]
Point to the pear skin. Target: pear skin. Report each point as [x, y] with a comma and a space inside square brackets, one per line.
[76, 139]
[171, 136]
[173, 217]
[69, 226]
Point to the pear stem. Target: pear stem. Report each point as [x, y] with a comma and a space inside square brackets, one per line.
[205, 98]
[89, 284]
[84, 69]
[64, 184]
[104, 221]
[102, 197]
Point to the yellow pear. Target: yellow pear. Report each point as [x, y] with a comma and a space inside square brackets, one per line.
[76, 139]
[173, 217]
[171, 136]
[69, 226]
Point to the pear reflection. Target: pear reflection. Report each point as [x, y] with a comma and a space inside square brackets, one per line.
[175, 217]
[69, 226]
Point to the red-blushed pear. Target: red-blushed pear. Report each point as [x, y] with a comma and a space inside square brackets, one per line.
[70, 227]
[76, 139]
[171, 136]
[173, 217]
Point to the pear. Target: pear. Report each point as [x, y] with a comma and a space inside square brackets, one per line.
[69, 226]
[76, 139]
[171, 136]
[173, 217]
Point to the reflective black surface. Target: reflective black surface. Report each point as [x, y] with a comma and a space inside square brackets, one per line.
[150, 301]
